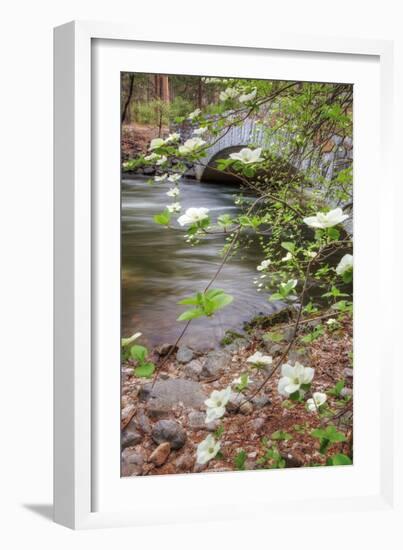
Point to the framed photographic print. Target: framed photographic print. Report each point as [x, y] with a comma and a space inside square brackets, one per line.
[214, 204]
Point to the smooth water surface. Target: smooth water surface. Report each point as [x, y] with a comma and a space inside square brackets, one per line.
[159, 268]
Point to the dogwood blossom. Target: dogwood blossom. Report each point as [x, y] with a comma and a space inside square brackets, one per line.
[130, 339]
[193, 215]
[173, 192]
[161, 178]
[243, 98]
[263, 265]
[174, 207]
[331, 322]
[216, 404]
[161, 160]
[173, 137]
[316, 401]
[194, 114]
[229, 93]
[191, 145]
[207, 449]
[345, 264]
[287, 257]
[153, 156]
[155, 143]
[259, 359]
[173, 178]
[323, 220]
[248, 156]
[238, 381]
[293, 377]
[200, 131]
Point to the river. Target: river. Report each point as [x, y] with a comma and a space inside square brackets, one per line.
[159, 268]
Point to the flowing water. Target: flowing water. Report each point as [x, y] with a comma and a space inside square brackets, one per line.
[159, 268]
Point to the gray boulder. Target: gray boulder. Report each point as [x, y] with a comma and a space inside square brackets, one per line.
[169, 431]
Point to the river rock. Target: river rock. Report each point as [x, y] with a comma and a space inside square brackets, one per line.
[257, 424]
[193, 369]
[197, 422]
[130, 456]
[160, 455]
[348, 373]
[130, 435]
[184, 354]
[164, 349]
[185, 463]
[169, 431]
[260, 401]
[216, 362]
[236, 345]
[143, 422]
[246, 408]
[167, 393]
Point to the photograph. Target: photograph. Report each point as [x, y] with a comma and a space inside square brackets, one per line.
[236, 274]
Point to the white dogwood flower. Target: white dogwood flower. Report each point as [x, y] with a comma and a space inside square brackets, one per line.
[153, 156]
[155, 143]
[216, 404]
[242, 380]
[207, 449]
[174, 207]
[263, 265]
[331, 322]
[345, 264]
[194, 114]
[193, 215]
[243, 98]
[323, 220]
[259, 359]
[316, 401]
[173, 137]
[161, 178]
[173, 192]
[200, 131]
[229, 93]
[191, 145]
[248, 156]
[287, 257]
[173, 178]
[161, 160]
[293, 377]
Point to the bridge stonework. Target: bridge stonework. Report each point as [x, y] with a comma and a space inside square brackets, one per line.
[337, 153]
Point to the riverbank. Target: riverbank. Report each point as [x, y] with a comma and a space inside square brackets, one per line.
[163, 424]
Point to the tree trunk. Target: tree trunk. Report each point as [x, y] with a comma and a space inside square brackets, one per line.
[128, 99]
[164, 88]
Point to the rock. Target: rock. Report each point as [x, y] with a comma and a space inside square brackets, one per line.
[130, 456]
[130, 435]
[216, 362]
[169, 431]
[143, 423]
[158, 408]
[292, 460]
[236, 345]
[346, 392]
[167, 393]
[197, 422]
[164, 376]
[257, 424]
[348, 373]
[185, 463]
[260, 401]
[197, 468]
[234, 401]
[246, 408]
[250, 464]
[193, 369]
[160, 455]
[184, 354]
[131, 469]
[127, 413]
[164, 349]
[273, 348]
[288, 334]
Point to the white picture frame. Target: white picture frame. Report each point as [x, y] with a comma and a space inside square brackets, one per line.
[87, 491]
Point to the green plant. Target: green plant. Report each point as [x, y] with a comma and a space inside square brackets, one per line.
[144, 368]
[206, 303]
[327, 436]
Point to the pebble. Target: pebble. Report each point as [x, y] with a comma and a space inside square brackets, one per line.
[160, 455]
[216, 362]
[184, 354]
[349, 373]
[260, 401]
[346, 392]
[185, 462]
[130, 435]
[246, 408]
[197, 422]
[143, 422]
[169, 431]
[258, 423]
[193, 369]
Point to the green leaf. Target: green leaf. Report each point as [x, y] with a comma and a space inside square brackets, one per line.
[339, 460]
[139, 353]
[240, 459]
[191, 314]
[276, 296]
[163, 218]
[145, 370]
[221, 301]
[290, 247]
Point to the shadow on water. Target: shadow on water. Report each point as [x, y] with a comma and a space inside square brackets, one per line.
[159, 268]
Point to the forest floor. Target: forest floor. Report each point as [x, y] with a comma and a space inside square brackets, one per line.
[163, 423]
[136, 138]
